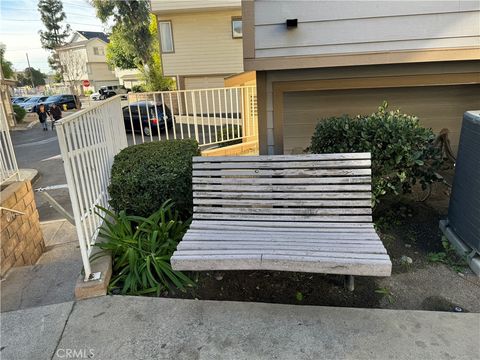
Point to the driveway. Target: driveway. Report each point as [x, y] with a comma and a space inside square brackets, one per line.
[37, 149]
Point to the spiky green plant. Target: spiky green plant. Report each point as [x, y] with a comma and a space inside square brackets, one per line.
[141, 248]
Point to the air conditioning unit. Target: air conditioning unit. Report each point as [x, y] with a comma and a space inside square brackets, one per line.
[462, 228]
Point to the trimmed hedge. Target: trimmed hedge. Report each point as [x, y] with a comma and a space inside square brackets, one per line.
[144, 176]
[402, 151]
[19, 112]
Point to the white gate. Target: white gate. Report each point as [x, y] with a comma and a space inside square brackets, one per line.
[89, 140]
[8, 161]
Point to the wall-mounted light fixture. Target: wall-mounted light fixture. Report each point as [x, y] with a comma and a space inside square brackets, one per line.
[291, 23]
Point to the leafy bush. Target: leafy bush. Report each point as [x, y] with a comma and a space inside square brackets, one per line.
[88, 92]
[19, 112]
[402, 151]
[141, 249]
[227, 132]
[145, 176]
[138, 88]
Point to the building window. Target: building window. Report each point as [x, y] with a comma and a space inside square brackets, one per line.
[95, 51]
[166, 36]
[237, 30]
[102, 52]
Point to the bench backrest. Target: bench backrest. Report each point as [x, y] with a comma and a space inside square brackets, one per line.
[314, 187]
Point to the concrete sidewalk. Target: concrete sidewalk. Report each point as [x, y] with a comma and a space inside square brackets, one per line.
[122, 327]
[52, 279]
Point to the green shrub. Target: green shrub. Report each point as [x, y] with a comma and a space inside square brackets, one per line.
[229, 132]
[402, 151]
[138, 88]
[145, 176]
[19, 113]
[141, 249]
[88, 92]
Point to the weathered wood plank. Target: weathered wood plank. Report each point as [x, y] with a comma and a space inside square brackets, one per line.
[247, 235]
[347, 248]
[281, 202]
[277, 181]
[334, 164]
[215, 262]
[281, 172]
[282, 211]
[332, 218]
[336, 156]
[312, 253]
[284, 195]
[261, 222]
[282, 188]
[200, 226]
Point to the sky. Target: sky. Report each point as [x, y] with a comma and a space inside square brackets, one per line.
[20, 23]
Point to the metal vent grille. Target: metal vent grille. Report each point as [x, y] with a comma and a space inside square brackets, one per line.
[464, 209]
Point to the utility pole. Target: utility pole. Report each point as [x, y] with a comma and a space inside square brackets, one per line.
[31, 73]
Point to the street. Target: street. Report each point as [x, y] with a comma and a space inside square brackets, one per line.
[37, 149]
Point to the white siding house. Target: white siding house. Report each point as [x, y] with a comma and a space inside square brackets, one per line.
[199, 46]
[83, 58]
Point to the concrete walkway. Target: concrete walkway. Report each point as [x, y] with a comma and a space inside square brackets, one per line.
[122, 327]
[52, 279]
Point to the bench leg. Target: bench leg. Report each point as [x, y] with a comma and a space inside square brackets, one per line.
[349, 283]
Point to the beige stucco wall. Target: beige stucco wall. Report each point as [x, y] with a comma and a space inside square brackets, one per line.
[203, 44]
[438, 107]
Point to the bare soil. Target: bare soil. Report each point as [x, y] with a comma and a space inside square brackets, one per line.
[407, 228]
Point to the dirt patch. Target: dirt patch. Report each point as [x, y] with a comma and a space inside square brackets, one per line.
[408, 229]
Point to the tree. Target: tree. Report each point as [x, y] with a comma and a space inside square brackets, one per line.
[56, 34]
[7, 66]
[132, 20]
[120, 53]
[29, 73]
[153, 74]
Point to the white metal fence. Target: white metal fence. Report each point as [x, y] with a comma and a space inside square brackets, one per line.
[211, 116]
[89, 139]
[8, 161]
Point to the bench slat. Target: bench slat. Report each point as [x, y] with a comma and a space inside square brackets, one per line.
[347, 218]
[282, 172]
[335, 156]
[282, 195]
[305, 246]
[284, 224]
[233, 236]
[282, 188]
[282, 211]
[338, 164]
[281, 202]
[276, 181]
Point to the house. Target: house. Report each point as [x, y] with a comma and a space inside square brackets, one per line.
[200, 41]
[83, 58]
[316, 59]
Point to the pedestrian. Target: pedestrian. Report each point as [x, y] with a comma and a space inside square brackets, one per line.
[42, 116]
[55, 113]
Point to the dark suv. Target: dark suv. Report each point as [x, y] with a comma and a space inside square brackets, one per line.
[64, 99]
[143, 111]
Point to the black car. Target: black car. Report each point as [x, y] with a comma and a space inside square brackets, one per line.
[64, 99]
[139, 113]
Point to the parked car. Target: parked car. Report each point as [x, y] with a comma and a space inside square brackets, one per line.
[64, 99]
[19, 99]
[31, 104]
[106, 92]
[138, 110]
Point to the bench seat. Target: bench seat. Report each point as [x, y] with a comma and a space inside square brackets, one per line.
[307, 213]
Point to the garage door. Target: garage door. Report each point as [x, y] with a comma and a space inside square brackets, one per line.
[203, 82]
[437, 108]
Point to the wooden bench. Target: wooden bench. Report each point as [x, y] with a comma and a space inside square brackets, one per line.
[308, 213]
